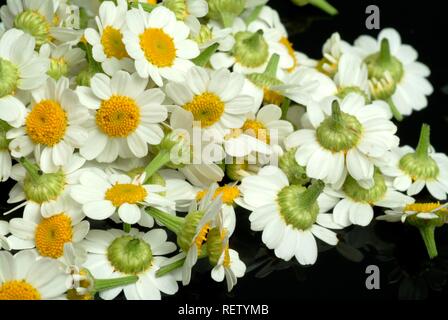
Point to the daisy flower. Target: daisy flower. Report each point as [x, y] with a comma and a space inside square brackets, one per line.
[114, 254]
[254, 46]
[201, 168]
[353, 203]
[40, 19]
[107, 43]
[20, 69]
[424, 211]
[394, 72]
[188, 11]
[53, 126]
[412, 170]
[60, 223]
[37, 188]
[159, 44]
[25, 277]
[102, 195]
[332, 51]
[4, 231]
[65, 60]
[289, 215]
[345, 137]
[127, 116]
[213, 97]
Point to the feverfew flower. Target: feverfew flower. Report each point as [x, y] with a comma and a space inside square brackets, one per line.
[127, 116]
[54, 126]
[159, 44]
[412, 170]
[114, 254]
[289, 215]
[346, 137]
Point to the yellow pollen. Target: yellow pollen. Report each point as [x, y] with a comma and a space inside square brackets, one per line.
[126, 193]
[151, 1]
[18, 290]
[256, 129]
[112, 41]
[46, 123]
[228, 194]
[206, 108]
[285, 41]
[158, 47]
[424, 207]
[227, 261]
[202, 236]
[272, 97]
[51, 235]
[118, 117]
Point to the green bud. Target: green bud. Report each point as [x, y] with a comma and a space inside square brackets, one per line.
[130, 255]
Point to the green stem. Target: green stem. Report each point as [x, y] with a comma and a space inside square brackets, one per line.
[397, 115]
[254, 40]
[253, 15]
[106, 284]
[126, 227]
[424, 141]
[285, 107]
[325, 6]
[427, 234]
[272, 67]
[32, 169]
[205, 56]
[385, 56]
[146, 6]
[227, 19]
[336, 114]
[310, 195]
[170, 221]
[170, 267]
[162, 158]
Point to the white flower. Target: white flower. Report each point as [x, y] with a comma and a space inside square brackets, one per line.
[353, 204]
[53, 126]
[127, 116]
[332, 51]
[344, 139]
[60, 223]
[65, 60]
[188, 11]
[114, 254]
[107, 43]
[21, 69]
[424, 211]
[253, 56]
[25, 277]
[102, 195]
[352, 76]
[4, 230]
[229, 266]
[288, 215]
[403, 72]
[159, 44]
[213, 97]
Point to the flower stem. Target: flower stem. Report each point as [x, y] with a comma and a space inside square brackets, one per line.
[285, 107]
[253, 15]
[311, 194]
[385, 56]
[325, 6]
[205, 56]
[424, 141]
[170, 221]
[126, 227]
[397, 115]
[427, 234]
[170, 267]
[106, 284]
[162, 158]
[272, 67]
[336, 115]
[32, 169]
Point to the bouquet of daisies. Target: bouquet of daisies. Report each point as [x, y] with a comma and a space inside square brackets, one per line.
[163, 118]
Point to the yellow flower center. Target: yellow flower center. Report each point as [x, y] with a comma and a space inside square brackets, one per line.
[151, 1]
[46, 123]
[158, 47]
[424, 207]
[126, 193]
[272, 97]
[256, 129]
[206, 108]
[227, 261]
[228, 194]
[18, 290]
[112, 41]
[118, 117]
[284, 41]
[51, 235]
[202, 236]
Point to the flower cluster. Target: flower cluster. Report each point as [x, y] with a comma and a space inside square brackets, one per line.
[163, 117]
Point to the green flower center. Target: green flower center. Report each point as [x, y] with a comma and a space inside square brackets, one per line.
[9, 78]
[359, 194]
[251, 49]
[44, 187]
[343, 92]
[58, 68]
[225, 10]
[35, 24]
[298, 205]
[419, 168]
[179, 7]
[340, 132]
[130, 255]
[205, 34]
[4, 143]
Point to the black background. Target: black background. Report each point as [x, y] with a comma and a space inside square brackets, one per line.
[406, 273]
